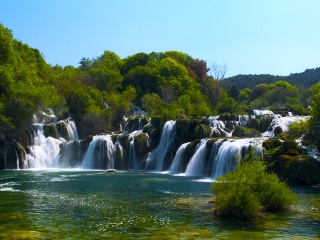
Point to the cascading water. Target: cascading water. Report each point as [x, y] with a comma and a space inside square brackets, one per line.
[176, 166]
[156, 157]
[44, 151]
[133, 160]
[281, 124]
[100, 153]
[226, 158]
[209, 159]
[72, 130]
[218, 127]
[197, 164]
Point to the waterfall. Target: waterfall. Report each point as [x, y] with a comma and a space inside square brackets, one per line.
[176, 166]
[100, 153]
[72, 153]
[257, 112]
[118, 156]
[197, 164]
[43, 152]
[218, 127]
[72, 130]
[156, 158]
[133, 162]
[212, 156]
[281, 124]
[226, 158]
[67, 130]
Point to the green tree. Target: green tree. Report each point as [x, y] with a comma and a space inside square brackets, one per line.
[228, 105]
[152, 103]
[139, 59]
[144, 79]
[106, 72]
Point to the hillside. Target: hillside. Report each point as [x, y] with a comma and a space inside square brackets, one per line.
[302, 80]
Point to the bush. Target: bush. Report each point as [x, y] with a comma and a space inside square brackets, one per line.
[249, 191]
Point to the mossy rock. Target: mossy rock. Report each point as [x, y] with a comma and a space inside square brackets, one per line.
[183, 127]
[277, 131]
[205, 121]
[201, 131]
[301, 169]
[155, 136]
[290, 148]
[159, 121]
[50, 130]
[210, 143]
[228, 117]
[141, 145]
[261, 124]
[272, 144]
[123, 139]
[89, 139]
[264, 123]
[147, 128]
[245, 132]
[254, 123]
[63, 130]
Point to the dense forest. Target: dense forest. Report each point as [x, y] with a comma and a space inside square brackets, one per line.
[302, 80]
[100, 92]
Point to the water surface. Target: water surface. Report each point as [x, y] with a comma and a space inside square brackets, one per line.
[77, 204]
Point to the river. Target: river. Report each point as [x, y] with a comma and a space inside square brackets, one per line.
[81, 204]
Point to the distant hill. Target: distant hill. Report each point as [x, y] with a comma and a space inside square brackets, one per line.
[302, 80]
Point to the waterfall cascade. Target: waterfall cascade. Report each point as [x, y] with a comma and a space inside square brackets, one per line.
[56, 144]
[44, 150]
[197, 164]
[156, 157]
[100, 153]
[176, 166]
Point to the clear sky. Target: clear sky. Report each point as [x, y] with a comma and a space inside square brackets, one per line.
[249, 36]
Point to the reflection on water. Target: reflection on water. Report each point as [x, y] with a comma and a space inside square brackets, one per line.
[95, 204]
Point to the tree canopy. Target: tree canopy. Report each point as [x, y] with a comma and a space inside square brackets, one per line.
[101, 91]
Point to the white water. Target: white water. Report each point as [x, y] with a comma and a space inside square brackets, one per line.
[196, 166]
[283, 123]
[158, 155]
[71, 126]
[100, 154]
[177, 161]
[228, 153]
[262, 112]
[44, 151]
[133, 162]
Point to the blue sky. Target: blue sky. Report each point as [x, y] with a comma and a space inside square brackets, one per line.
[249, 36]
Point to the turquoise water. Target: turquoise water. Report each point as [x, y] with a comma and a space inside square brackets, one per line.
[75, 204]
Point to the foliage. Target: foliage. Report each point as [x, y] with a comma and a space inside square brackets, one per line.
[302, 80]
[102, 90]
[296, 130]
[249, 191]
[313, 135]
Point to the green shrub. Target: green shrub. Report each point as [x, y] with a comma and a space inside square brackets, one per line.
[249, 191]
